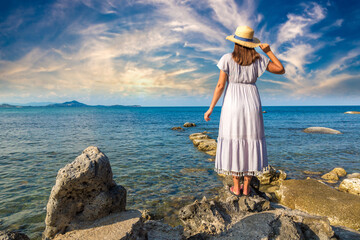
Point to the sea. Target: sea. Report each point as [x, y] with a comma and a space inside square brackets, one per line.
[159, 167]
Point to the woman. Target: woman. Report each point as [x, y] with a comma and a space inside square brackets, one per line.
[241, 149]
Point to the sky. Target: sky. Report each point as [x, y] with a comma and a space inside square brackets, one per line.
[164, 52]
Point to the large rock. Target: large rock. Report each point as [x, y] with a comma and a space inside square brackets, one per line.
[350, 185]
[112, 227]
[314, 197]
[84, 191]
[322, 130]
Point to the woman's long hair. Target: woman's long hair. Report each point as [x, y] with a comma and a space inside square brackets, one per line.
[244, 55]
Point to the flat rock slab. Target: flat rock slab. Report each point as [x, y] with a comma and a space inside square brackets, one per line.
[317, 198]
[113, 227]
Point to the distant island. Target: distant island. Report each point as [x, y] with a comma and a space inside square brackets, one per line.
[65, 104]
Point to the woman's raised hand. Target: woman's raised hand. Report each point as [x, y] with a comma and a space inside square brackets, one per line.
[207, 115]
[265, 47]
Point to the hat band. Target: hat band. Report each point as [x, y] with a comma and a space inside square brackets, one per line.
[243, 39]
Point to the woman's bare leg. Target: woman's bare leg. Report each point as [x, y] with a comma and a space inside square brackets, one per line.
[247, 180]
[236, 188]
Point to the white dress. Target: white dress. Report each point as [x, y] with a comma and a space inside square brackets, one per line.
[241, 145]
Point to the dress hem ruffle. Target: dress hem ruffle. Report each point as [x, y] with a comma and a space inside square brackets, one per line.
[243, 173]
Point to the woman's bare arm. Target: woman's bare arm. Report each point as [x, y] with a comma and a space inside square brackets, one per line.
[275, 65]
[219, 89]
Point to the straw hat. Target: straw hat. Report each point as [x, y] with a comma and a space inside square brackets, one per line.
[244, 36]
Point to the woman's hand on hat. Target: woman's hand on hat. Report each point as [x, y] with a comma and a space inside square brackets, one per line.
[207, 114]
[265, 47]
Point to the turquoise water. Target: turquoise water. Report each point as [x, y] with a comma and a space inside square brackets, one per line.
[147, 157]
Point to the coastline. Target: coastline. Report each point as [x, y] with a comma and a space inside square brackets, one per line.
[199, 156]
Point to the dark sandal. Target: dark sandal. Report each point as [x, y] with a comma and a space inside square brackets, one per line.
[232, 193]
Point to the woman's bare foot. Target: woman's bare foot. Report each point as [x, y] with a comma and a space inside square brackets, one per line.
[235, 192]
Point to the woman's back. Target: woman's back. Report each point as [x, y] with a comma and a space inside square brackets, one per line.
[243, 74]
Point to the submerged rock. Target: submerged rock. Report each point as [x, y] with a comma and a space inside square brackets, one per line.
[353, 175]
[322, 130]
[311, 172]
[12, 235]
[350, 185]
[177, 128]
[84, 191]
[188, 124]
[311, 196]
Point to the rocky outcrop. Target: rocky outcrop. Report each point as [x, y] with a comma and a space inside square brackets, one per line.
[12, 235]
[350, 185]
[84, 191]
[352, 112]
[254, 217]
[272, 176]
[177, 128]
[204, 143]
[314, 197]
[322, 130]
[189, 124]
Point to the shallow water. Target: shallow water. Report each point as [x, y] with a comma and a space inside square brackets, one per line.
[147, 157]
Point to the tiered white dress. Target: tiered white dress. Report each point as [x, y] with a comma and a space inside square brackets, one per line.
[241, 146]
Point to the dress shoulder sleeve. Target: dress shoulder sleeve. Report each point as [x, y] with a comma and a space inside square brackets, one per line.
[262, 64]
[223, 64]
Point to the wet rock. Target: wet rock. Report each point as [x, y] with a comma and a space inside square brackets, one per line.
[330, 176]
[339, 171]
[350, 185]
[352, 112]
[211, 153]
[177, 128]
[12, 235]
[334, 174]
[188, 124]
[204, 143]
[322, 130]
[314, 197]
[211, 159]
[207, 145]
[84, 191]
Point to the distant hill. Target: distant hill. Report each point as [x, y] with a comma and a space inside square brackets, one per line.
[65, 104]
[68, 104]
[5, 105]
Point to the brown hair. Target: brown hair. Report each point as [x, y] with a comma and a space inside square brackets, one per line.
[244, 55]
